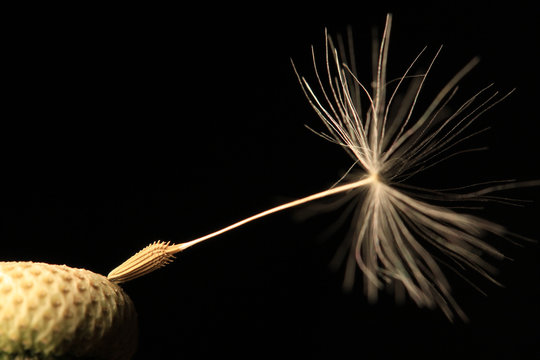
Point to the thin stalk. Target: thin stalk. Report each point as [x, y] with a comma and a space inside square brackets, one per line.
[159, 254]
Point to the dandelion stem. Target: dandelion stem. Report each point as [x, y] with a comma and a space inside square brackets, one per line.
[173, 249]
[158, 254]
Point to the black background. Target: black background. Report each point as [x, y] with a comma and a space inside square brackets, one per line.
[122, 126]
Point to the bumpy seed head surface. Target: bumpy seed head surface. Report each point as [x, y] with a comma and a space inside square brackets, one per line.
[54, 311]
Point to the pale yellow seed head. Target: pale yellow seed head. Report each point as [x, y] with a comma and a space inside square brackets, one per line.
[54, 311]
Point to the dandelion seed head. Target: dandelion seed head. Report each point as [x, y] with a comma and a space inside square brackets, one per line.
[401, 236]
[396, 233]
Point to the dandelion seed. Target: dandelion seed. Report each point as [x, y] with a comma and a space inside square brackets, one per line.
[396, 231]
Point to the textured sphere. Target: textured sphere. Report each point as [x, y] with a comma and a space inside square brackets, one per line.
[57, 312]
